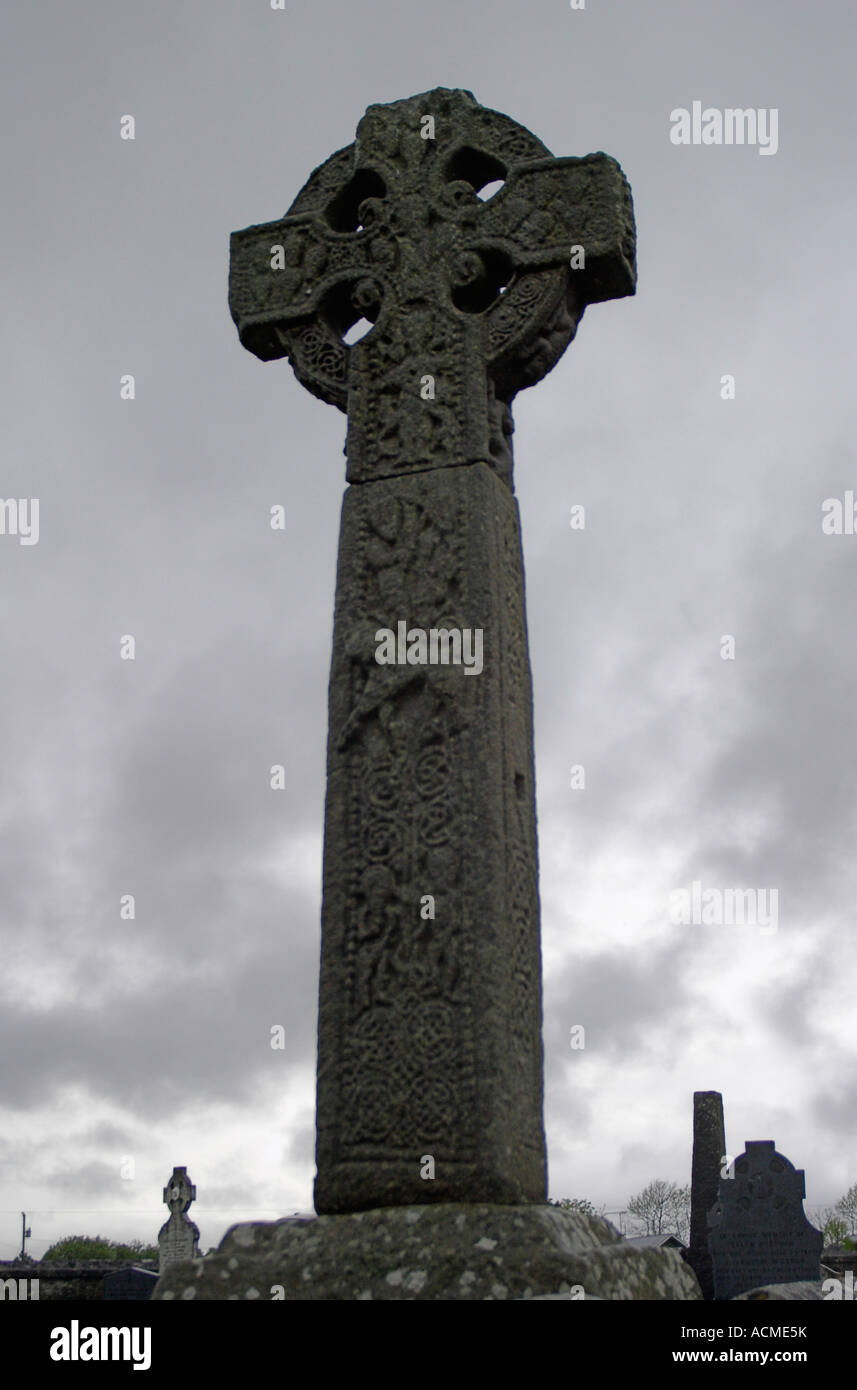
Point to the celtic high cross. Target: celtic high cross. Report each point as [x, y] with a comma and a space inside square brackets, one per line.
[429, 1049]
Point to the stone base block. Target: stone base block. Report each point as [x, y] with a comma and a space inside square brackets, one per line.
[444, 1252]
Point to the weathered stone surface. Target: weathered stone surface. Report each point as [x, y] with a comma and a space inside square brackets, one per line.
[709, 1154]
[456, 1252]
[430, 1030]
[429, 1063]
[759, 1233]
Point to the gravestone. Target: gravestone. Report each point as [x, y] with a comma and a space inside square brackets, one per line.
[709, 1156]
[759, 1234]
[429, 1084]
[178, 1238]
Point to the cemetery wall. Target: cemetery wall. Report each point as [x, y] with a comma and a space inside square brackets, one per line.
[74, 1283]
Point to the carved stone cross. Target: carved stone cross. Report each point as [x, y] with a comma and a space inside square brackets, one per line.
[179, 1192]
[178, 1238]
[430, 1053]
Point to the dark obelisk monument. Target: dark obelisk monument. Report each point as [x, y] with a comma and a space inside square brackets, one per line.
[708, 1164]
[429, 1050]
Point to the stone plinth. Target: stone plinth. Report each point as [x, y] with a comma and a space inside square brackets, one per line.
[455, 1252]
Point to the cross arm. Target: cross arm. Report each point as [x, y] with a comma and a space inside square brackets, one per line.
[292, 290]
[578, 202]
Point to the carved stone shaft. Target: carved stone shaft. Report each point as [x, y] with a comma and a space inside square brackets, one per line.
[430, 1028]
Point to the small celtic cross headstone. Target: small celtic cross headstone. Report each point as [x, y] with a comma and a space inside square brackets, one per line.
[178, 1238]
[430, 1053]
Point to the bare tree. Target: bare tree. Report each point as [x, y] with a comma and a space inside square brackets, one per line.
[663, 1207]
[847, 1208]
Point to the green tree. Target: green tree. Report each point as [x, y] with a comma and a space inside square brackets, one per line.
[581, 1204]
[834, 1227]
[661, 1208]
[72, 1248]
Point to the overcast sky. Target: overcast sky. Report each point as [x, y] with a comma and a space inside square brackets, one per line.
[149, 1039]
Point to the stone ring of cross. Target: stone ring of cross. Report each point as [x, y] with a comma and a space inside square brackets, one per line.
[469, 298]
